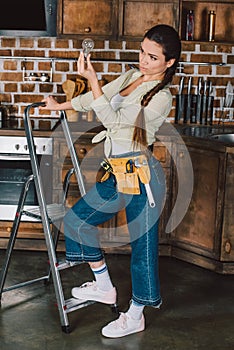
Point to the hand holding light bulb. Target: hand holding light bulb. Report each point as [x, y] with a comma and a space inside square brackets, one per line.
[84, 65]
[87, 46]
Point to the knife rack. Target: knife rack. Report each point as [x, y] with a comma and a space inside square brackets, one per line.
[194, 109]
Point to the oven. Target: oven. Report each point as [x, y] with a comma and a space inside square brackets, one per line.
[15, 167]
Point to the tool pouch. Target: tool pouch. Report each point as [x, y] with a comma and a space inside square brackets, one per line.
[127, 181]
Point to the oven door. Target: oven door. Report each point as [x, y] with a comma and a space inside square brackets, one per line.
[14, 171]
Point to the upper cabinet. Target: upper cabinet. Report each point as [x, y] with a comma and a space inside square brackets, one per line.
[96, 18]
[223, 21]
[137, 16]
[130, 19]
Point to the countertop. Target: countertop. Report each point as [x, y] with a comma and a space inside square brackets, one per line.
[188, 133]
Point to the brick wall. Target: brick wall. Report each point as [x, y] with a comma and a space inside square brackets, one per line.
[57, 57]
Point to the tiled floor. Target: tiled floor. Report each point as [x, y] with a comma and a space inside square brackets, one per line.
[197, 312]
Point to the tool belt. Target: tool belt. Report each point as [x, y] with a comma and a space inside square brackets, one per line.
[127, 172]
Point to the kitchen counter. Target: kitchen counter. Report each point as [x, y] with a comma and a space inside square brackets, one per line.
[205, 134]
[21, 132]
[186, 131]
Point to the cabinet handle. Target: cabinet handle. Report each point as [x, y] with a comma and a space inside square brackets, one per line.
[181, 154]
[83, 151]
[228, 247]
[87, 29]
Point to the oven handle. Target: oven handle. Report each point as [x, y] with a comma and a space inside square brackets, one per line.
[9, 157]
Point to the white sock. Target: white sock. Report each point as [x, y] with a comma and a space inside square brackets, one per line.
[102, 278]
[135, 310]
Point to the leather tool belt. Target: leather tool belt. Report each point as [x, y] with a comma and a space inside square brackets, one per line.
[127, 172]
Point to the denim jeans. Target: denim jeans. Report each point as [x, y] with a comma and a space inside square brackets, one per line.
[100, 204]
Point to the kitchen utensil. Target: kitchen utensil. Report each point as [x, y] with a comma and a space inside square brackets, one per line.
[69, 87]
[199, 100]
[229, 95]
[209, 106]
[188, 101]
[204, 102]
[228, 101]
[207, 94]
[80, 87]
[180, 101]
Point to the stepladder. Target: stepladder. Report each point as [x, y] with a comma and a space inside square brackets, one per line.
[51, 217]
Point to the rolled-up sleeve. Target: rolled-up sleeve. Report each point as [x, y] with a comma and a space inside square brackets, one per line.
[82, 103]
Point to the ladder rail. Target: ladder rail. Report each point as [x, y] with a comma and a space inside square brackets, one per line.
[44, 217]
[64, 306]
[73, 153]
[11, 242]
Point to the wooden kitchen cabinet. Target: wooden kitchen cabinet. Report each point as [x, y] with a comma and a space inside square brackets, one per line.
[137, 16]
[224, 10]
[129, 19]
[96, 18]
[205, 236]
[115, 19]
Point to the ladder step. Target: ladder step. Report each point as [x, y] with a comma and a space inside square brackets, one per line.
[62, 265]
[24, 284]
[73, 304]
[55, 212]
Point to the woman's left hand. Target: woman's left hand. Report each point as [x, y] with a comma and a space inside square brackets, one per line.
[85, 68]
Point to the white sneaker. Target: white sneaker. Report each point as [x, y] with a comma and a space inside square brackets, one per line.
[90, 291]
[124, 325]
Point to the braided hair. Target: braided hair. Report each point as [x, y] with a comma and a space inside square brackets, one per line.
[169, 39]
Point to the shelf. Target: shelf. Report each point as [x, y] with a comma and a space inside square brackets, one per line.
[224, 10]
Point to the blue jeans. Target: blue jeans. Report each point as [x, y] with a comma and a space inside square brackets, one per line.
[100, 204]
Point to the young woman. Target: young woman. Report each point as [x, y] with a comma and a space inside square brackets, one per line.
[131, 108]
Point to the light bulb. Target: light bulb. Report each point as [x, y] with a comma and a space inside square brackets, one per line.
[87, 46]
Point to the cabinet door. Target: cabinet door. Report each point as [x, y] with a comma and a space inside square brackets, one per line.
[200, 229]
[92, 17]
[137, 16]
[227, 246]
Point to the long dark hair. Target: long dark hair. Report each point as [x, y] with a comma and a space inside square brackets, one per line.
[168, 38]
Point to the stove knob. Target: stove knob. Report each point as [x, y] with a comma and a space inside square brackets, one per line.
[26, 147]
[17, 146]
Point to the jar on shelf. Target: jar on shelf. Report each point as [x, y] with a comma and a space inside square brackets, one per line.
[211, 31]
[190, 25]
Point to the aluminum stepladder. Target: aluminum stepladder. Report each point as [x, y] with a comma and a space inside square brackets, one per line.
[47, 214]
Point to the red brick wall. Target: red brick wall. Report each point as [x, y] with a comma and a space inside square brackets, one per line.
[43, 54]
